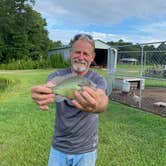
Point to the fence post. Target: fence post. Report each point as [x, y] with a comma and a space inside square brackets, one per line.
[110, 70]
[141, 75]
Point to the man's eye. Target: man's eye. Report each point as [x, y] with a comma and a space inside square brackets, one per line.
[87, 55]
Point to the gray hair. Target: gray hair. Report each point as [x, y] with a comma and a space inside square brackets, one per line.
[83, 36]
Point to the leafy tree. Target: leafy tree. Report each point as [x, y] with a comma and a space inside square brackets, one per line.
[55, 44]
[22, 31]
[126, 49]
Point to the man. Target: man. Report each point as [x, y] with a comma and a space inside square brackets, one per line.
[75, 137]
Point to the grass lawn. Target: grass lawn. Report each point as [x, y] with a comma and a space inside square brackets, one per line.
[127, 136]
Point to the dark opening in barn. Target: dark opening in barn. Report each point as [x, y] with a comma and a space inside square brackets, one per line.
[101, 57]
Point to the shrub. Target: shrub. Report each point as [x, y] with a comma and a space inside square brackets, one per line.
[54, 61]
[58, 62]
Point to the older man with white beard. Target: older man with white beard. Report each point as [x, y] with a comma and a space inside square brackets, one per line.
[75, 136]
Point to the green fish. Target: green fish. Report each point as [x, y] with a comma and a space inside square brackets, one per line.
[65, 86]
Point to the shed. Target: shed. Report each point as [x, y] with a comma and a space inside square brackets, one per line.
[64, 51]
[101, 49]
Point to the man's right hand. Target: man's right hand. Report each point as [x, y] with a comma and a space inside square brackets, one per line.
[42, 95]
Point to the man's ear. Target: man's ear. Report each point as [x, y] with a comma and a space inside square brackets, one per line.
[93, 55]
[70, 52]
[93, 58]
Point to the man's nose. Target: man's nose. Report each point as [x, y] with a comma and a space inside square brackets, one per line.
[81, 56]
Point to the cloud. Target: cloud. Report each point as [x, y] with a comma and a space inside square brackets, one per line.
[67, 35]
[157, 30]
[97, 11]
[152, 28]
[67, 18]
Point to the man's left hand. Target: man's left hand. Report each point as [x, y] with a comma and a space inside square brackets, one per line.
[90, 99]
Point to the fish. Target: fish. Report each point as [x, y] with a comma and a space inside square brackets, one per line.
[65, 86]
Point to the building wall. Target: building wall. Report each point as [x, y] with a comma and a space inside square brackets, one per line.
[65, 52]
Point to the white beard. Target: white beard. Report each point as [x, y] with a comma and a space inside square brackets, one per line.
[79, 66]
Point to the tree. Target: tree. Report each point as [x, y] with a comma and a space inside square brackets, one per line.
[55, 44]
[126, 49]
[22, 31]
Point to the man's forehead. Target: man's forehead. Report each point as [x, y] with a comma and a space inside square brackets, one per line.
[82, 44]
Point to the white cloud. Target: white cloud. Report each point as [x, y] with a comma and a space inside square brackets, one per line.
[156, 30]
[97, 11]
[67, 35]
[152, 28]
[62, 35]
[67, 18]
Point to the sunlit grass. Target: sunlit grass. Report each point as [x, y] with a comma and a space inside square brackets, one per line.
[127, 136]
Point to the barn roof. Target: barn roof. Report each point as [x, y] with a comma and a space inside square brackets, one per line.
[99, 44]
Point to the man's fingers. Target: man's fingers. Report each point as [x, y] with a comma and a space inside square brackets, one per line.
[85, 108]
[88, 97]
[38, 96]
[85, 99]
[44, 102]
[44, 107]
[42, 95]
[41, 89]
[76, 104]
[91, 91]
[80, 98]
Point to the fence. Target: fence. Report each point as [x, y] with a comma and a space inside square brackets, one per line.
[139, 78]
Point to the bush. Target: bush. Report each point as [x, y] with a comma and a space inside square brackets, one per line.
[58, 62]
[54, 61]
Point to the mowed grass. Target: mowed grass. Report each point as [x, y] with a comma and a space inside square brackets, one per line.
[127, 136]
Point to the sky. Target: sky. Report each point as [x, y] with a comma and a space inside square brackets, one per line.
[136, 21]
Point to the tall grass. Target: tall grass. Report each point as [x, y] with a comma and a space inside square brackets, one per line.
[127, 136]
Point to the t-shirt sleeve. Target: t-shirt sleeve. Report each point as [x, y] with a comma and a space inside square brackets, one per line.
[51, 76]
[102, 83]
[98, 80]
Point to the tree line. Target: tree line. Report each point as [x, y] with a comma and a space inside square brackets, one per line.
[154, 52]
[23, 33]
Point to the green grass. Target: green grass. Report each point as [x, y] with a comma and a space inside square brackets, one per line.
[155, 83]
[127, 136]
[148, 82]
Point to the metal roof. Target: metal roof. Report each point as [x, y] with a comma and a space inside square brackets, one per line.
[98, 45]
